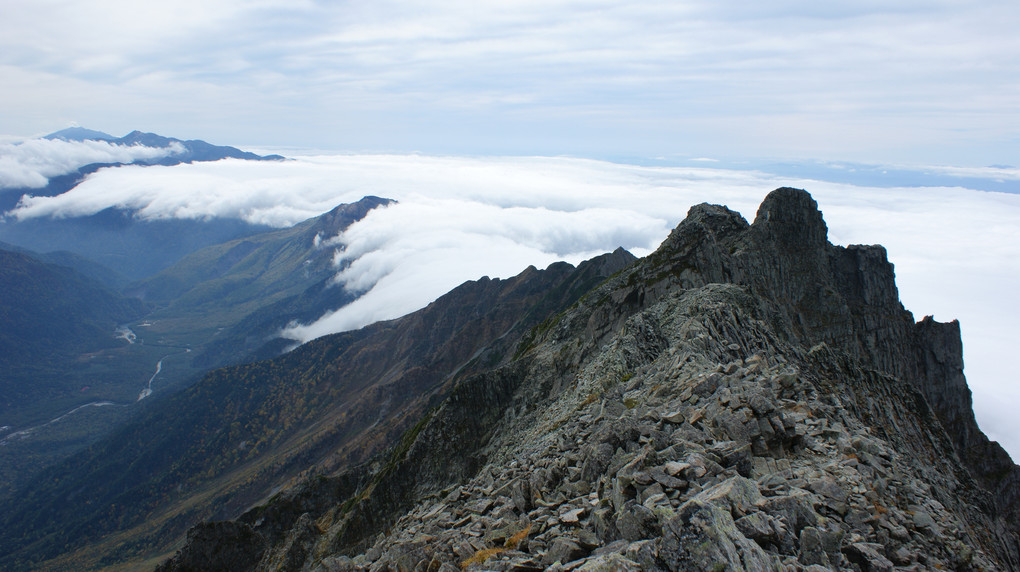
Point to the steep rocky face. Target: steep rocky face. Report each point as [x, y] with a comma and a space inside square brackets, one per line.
[749, 397]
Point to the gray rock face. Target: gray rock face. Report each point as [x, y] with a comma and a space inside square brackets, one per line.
[749, 397]
[218, 547]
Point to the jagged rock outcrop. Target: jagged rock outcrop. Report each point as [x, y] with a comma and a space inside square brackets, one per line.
[748, 397]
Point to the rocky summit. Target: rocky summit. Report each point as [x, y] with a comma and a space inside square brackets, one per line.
[748, 397]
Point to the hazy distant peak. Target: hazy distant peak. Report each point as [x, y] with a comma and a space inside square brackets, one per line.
[80, 134]
[192, 149]
[137, 137]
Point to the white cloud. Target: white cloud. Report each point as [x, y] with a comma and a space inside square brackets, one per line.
[31, 163]
[956, 251]
[410, 253]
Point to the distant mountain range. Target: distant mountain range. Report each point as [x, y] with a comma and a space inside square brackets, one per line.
[114, 237]
[184, 152]
[194, 149]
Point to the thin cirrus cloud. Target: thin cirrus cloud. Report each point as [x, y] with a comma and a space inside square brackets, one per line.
[955, 250]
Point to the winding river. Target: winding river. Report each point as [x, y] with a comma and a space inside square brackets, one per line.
[123, 332]
[147, 390]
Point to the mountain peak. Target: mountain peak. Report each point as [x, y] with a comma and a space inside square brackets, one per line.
[137, 137]
[79, 134]
[792, 218]
[341, 216]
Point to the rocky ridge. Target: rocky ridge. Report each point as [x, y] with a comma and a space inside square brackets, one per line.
[749, 397]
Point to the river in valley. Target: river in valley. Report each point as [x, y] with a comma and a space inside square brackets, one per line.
[124, 332]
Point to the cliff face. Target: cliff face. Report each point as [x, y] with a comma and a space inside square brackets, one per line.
[748, 397]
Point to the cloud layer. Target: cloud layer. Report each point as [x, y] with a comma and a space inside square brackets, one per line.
[30, 164]
[956, 251]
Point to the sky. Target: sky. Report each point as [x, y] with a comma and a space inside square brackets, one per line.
[524, 132]
[931, 82]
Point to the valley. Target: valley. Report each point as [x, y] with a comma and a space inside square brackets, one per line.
[221, 302]
[113, 384]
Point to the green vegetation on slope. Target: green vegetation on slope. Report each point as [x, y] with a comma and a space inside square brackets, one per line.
[212, 450]
[55, 325]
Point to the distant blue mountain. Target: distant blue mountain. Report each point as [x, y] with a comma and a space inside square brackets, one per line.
[80, 134]
[195, 150]
[113, 237]
[87, 267]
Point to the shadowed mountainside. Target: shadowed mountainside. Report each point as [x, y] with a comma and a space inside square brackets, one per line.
[245, 430]
[50, 317]
[239, 294]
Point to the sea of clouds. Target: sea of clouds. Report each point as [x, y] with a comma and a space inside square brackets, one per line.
[956, 250]
[30, 164]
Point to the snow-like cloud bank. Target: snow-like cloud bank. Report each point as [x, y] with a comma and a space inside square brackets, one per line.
[410, 253]
[30, 164]
[956, 251]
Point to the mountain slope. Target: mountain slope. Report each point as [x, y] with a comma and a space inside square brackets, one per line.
[50, 316]
[748, 397]
[218, 286]
[241, 431]
[90, 268]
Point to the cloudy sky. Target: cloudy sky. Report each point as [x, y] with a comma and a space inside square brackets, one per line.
[928, 82]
